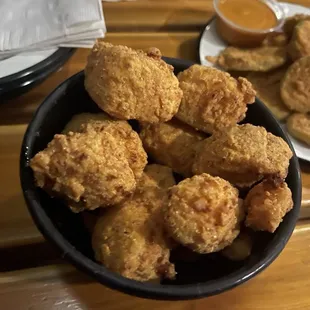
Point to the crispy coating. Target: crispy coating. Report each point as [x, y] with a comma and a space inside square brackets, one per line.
[243, 155]
[172, 144]
[240, 249]
[76, 122]
[262, 59]
[298, 125]
[212, 99]
[267, 86]
[130, 239]
[130, 84]
[120, 130]
[90, 169]
[275, 39]
[125, 135]
[299, 45]
[266, 204]
[292, 21]
[295, 86]
[202, 213]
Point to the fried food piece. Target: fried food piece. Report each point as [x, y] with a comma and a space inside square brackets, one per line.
[299, 45]
[130, 239]
[295, 86]
[76, 122]
[125, 135]
[292, 21]
[243, 155]
[121, 130]
[130, 84]
[172, 144]
[240, 249]
[212, 99]
[202, 213]
[90, 169]
[266, 204]
[262, 59]
[298, 125]
[275, 39]
[267, 86]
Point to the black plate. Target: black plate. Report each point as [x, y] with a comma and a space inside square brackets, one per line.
[211, 275]
[18, 83]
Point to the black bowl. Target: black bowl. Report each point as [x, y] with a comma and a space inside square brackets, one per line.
[211, 275]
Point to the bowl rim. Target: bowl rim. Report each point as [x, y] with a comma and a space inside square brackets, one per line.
[111, 279]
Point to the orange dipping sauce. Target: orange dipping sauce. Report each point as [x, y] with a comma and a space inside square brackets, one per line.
[244, 23]
[249, 14]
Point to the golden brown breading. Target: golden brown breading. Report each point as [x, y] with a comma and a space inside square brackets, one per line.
[299, 45]
[240, 249]
[90, 169]
[262, 59]
[130, 84]
[130, 239]
[202, 213]
[295, 86]
[298, 125]
[275, 39]
[292, 21]
[267, 86]
[125, 135]
[266, 204]
[172, 144]
[76, 122]
[243, 155]
[212, 99]
[278, 157]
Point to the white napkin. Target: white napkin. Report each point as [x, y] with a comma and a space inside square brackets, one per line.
[27, 25]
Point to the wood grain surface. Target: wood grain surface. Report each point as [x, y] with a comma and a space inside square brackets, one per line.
[174, 27]
[282, 286]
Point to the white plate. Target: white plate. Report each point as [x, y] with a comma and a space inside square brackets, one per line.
[20, 62]
[211, 45]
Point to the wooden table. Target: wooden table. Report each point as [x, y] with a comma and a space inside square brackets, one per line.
[32, 274]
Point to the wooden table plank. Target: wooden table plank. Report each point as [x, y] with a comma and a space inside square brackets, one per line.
[161, 15]
[284, 285]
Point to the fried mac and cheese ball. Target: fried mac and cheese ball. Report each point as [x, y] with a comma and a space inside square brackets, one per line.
[298, 125]
[130, 239]
[266, 204]
[173, 144]
[90, 169]
[132, 84]
[243, 155]
[120, 130]
[202, 213]
[212, 99]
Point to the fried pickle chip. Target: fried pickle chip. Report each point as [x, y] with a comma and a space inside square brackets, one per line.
[295, 86]
[262, 59]
[267, 86]
[298, 125]
[243, 155]
[89, 169]
[202, 213]
[266, 204]
[292, 21]
[129, 239]
[173, 144]
[212, 99]
[131, 84]
[275, 39]
[299, 45]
